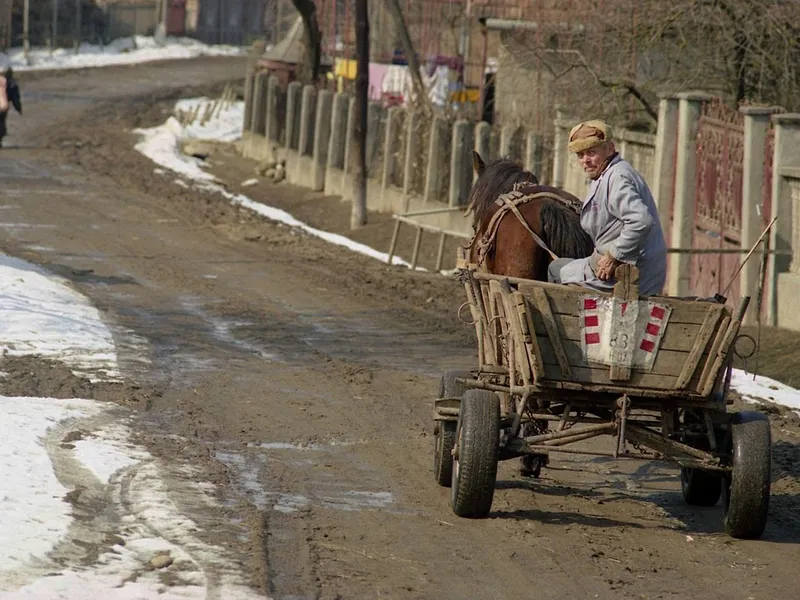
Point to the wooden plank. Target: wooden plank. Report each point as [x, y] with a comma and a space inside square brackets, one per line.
[491, 325]
[476, 317]
[677, 336]
[667, 364]
[529, 337]
[725, 346]
[518, 337]
[637, 380]
[542, 304]
[626, 291]
[538, 362]
[567, 301]
[488, 341]
[715, 345]
[707, 330]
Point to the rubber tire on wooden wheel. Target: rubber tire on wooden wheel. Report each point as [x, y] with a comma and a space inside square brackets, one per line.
[478, 440]
[445, 439]
[700, 488]
[745, 495]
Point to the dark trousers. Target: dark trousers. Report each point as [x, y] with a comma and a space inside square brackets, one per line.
[3, 132]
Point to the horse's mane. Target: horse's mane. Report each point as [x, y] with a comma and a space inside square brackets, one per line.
[563, 233]
[499, 177]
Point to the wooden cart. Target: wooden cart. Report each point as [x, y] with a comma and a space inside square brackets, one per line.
[562, 364]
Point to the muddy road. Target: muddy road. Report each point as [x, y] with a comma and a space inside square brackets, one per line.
[296, 378]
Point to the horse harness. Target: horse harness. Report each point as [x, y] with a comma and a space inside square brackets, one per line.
[510, 202]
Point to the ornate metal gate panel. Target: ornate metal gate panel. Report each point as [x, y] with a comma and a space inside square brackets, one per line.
[718, 199]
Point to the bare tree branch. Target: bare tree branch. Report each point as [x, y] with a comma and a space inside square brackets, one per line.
[421, 99]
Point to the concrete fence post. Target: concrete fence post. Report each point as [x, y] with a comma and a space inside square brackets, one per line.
[437, 160]
[411, 167]
[509, 142]
[274, 102]
[534, 155]
[308, 106]
[461, 163]
[292, 129]
[347, 167]
[376, 116]
[322, 134]
[395, 120]
[664, 160]
[259, 118]
[560, 152]
[350, 133]
[249, 84]
[783, 272]
[337, 140]
[756, 124]
[483, 143]
[682, 234]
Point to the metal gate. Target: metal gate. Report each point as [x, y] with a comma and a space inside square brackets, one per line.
[718, 200]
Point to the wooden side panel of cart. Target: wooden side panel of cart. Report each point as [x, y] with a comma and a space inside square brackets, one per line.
[536, 328]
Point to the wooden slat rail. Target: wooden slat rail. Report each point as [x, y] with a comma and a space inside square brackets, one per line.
[542, 304]
[707, 329]
[399, 219]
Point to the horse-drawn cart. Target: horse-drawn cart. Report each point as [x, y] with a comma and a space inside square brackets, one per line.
[563, 364]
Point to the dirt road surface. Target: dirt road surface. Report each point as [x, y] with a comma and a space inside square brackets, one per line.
[297, 378]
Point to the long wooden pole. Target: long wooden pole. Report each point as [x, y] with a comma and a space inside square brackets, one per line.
[54, 39]
[26, 17]
[749, 254]
[358, 215]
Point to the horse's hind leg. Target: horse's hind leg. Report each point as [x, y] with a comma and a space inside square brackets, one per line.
[531, 465]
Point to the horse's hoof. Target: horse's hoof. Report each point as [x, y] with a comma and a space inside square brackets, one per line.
[531, 465]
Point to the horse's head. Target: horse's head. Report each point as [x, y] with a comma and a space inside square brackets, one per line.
[498, 177]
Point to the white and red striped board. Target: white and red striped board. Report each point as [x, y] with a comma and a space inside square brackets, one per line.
[622, 334]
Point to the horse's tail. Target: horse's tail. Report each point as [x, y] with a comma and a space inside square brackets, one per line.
[563, 232]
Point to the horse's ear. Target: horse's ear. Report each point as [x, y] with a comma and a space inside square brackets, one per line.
[477, 163]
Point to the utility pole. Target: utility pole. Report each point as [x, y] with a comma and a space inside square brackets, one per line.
[78, 26]
[26, 17]
[54, 32]
[466, 25]
[358, 215]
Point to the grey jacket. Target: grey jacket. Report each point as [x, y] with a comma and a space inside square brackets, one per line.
[620, 215]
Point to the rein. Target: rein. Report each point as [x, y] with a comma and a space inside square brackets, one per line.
[510, 202]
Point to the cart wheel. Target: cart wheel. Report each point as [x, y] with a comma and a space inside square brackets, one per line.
[700, 488]
[745, 493]
[478, 449]
[444, 433]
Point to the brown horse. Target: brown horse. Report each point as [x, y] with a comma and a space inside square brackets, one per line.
[505, 245]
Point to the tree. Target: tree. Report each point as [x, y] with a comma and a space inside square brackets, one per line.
[312, 37]
[421, 99]
[743, 50]
[358, 215]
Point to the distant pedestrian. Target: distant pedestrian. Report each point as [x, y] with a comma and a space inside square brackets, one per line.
[9, 96]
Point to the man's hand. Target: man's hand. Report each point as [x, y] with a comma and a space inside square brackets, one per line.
[606, 265]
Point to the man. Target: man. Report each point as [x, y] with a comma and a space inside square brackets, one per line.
[9, 95]
[619, 214]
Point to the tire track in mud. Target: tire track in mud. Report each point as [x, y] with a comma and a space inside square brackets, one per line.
[119, 525]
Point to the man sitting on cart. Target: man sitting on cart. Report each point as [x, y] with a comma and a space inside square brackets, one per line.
[619, 214]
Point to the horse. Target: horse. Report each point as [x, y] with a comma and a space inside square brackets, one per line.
[507, 244]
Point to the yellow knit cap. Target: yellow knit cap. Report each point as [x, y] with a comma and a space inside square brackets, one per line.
[588, 134]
